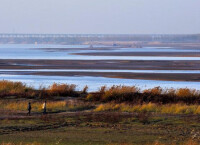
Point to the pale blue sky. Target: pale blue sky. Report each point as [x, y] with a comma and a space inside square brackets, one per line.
[100, 16]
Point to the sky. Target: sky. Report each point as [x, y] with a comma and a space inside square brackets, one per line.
[100, 16]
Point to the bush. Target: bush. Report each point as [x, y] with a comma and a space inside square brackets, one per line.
[85, 90]
[62, 89]
[117, 93]
[8, 88]
[13, 88]
[133, 95]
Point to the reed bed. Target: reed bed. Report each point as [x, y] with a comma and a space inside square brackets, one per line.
[115, 93]
[8, 88]
[154, 95]
[151, 107]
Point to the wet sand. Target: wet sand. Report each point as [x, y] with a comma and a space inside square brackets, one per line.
[166, 77]
[114, 65]
[170, 54]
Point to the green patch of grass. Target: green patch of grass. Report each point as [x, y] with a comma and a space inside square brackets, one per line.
[92, 129]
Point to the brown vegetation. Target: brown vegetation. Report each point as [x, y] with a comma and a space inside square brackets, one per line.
[18, 89]
[151, 108]
[118, 94]
[155, 95]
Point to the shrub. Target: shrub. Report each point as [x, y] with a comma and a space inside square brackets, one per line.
[133, 95]
[85, 90]
[12, 88]
[185, 92]
[154, 91]
[117, 93]
[62, 89]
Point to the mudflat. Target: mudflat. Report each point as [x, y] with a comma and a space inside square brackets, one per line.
[165, 49]
[99, 64]
[111, 65]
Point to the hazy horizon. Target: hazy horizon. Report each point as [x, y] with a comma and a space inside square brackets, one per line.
[100, 16]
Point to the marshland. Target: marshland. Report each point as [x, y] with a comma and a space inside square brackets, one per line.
[110, 115]
[102, 93]
[99, 72]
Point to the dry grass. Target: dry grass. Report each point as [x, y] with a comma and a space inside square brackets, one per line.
[154, 91]
[151, 107]
[184, 92]
[70, 105]
[12, 88]
[155, 95]
[8, 88]
[36, 106]
[119, 93]
[61, 89]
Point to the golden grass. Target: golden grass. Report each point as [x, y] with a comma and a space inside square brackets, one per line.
[151, 107]
[112, 93]
[9, 88]
[154, 91]
[36, 106]
[12, 87]
[61, 89]
[69, 105]
[156, 95]
[184, 92]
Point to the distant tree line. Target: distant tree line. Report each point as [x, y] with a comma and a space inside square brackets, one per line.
[82, 39]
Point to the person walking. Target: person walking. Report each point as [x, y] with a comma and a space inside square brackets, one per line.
[29, 109]
[44, 107]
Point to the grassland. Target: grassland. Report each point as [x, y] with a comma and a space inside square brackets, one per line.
[119, 115]
[99, 128]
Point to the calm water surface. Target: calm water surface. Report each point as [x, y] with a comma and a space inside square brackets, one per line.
[94, 83]
[30, 51]
[103, 70]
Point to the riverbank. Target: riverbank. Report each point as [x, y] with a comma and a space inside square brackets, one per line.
[73, 121]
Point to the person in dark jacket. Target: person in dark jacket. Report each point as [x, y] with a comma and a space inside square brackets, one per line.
[29, 109]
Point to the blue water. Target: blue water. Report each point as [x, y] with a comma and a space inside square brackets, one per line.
[104, 70]
[94, 83]
[30, 51]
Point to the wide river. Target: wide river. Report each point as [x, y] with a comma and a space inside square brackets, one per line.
[49, 52]
[28, 51]
[94, 83]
